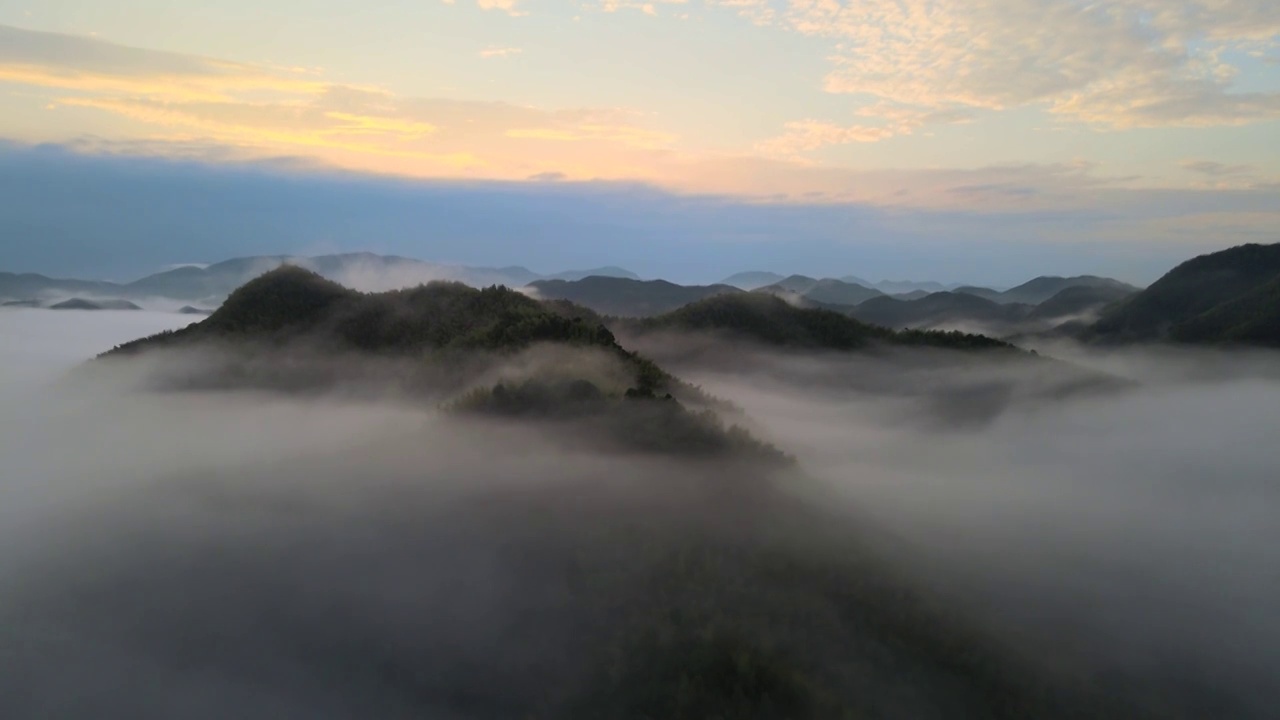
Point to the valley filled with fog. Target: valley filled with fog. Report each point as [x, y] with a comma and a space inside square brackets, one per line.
[256, 554]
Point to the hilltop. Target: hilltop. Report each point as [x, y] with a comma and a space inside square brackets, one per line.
[214, 282]
[1226, 297]
[938, 309]
[624, 297]
[1040, 289]
[827, 292]
[291, 329]
[770, 320]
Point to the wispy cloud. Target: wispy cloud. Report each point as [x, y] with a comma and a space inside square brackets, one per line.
[270, 111]
[1123, 63]
[1215, 169]
[894, 120]
[507, 6]
[500, 52]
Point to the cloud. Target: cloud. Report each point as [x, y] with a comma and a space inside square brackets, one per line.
[896, 120]
[500, 52]
[760, 12]
[507, 6]
[115, 215]
[1127, 63]
[1215, 169]
[262, 111]
[284, 539]
[647, 8]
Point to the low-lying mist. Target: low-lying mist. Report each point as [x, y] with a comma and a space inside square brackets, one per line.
[259, 555]
[1132, 531]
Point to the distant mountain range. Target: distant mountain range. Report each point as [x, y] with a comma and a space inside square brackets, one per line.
[920, 309]
[1036, 291]
[625, 297]
[756, 279]
[1227, 297]
[210, 284]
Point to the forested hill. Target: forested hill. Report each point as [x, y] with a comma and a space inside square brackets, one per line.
[448, 338]
[771, 320]
[625, 297]
[1227, 297]
[292, 303]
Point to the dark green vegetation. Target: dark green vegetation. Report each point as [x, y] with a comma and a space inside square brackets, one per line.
[291, 303]
[451, 335]
[938, 309]
[1038, 290]
[1078, 300]
[624, 297]
[772, 321]
[1227, 297]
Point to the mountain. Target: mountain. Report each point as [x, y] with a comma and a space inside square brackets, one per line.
[937, 309]
[855, 280]
[21, 304]
[1036, 291]
[571, 275]
[1078, 300]
[770, 320]
[913, 295]
[293, 330]
[1251, 319]
[751, 280]
[825, 292]
[82, 304]
[897, 287]
[365, 271]
[839, 292]
[800, 284]
[623, 297]
[1222, 297]
[985, 293]
[31, 286]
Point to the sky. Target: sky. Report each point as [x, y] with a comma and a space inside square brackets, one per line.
[964, 141]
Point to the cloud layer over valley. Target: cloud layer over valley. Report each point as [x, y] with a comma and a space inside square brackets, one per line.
[268, 556]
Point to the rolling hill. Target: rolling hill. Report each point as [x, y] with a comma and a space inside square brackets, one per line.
[839, 292]
[1078, 300]
[622, 297]
[293, 330]
[366, 271]
[938, 309]
[767, 319]
[752, 279]
[1040, 289]
[1226, 297]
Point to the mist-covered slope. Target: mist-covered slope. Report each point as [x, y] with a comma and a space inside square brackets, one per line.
[317, 557]
[768, 319]
[624, 297]
[1222, 297]
[1040, 289]
[827, 291]
[1078, 300]
[493, 352]
[938, 309]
